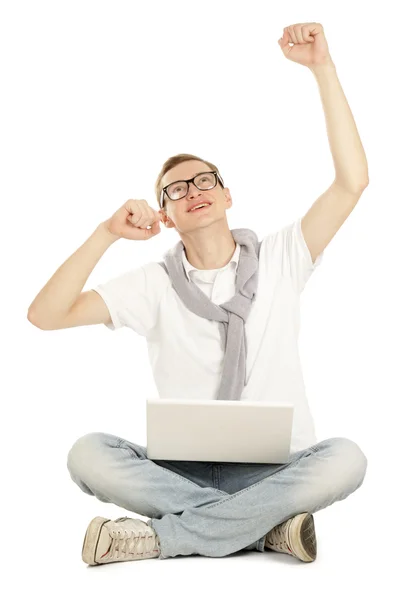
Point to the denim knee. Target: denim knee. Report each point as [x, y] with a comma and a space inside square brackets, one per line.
[351, 460]
[83, 450]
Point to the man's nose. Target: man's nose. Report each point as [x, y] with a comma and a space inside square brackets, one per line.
[192, 189]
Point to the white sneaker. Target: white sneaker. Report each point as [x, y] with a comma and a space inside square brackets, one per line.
[295, 536]
[120, 540]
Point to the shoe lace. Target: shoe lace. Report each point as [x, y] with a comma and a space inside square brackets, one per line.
[125, 542]
[277, 537]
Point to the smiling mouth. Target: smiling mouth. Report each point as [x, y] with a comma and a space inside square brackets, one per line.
[199, 209]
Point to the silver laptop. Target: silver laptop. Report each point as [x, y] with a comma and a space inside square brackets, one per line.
[239, 431]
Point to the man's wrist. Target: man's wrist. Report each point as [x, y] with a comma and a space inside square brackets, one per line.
[329, 65]
[111, 237]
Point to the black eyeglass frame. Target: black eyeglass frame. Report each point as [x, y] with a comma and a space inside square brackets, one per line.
[188, 181]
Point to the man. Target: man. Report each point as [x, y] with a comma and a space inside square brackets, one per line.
[195, 507]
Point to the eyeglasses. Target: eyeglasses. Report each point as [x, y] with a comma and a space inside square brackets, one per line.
[179, 189]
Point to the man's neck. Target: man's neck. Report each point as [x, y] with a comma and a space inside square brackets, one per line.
[214, 253]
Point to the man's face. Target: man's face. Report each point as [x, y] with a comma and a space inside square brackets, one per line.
[178, 210]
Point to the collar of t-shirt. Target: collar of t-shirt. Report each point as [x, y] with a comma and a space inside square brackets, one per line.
[209, 274]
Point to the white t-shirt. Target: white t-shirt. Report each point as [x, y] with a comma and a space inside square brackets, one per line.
[185, 350]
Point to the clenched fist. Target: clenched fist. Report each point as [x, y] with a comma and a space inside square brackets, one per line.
[132, 220]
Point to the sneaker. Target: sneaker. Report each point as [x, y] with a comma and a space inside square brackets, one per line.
[296, 536]
[120, 540]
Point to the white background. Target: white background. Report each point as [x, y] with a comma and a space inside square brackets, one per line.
[89, 113]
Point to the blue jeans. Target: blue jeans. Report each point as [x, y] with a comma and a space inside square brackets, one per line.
[209, 508]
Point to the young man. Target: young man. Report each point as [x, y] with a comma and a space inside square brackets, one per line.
[215, 281]
[186, 500]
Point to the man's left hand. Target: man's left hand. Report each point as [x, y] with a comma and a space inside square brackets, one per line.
[310, 47]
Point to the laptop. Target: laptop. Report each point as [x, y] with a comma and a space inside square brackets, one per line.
[239, 431]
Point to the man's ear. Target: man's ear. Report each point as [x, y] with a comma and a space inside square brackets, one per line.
[165, 219]
[228, 197]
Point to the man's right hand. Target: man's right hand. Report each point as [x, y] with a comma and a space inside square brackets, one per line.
[132, 219]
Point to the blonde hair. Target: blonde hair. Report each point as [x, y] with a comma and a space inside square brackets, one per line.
[172, 162]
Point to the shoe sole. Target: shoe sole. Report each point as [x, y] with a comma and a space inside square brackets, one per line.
[302, 538]
[91, 540]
